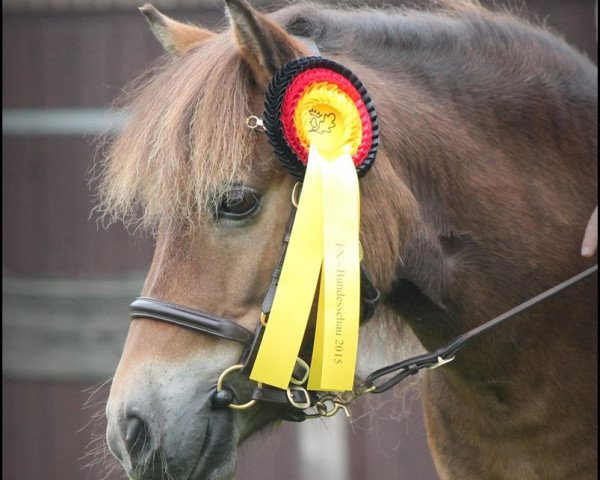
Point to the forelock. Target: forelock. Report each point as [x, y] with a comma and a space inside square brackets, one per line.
[185, 142]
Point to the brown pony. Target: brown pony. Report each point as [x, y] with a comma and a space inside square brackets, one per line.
[483, 184]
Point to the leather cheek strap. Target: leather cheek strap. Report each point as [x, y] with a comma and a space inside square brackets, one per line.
[144, 307]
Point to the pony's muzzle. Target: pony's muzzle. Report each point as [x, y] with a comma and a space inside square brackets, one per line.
[156, 435]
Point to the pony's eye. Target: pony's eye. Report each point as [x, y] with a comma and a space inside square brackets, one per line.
[238, 204]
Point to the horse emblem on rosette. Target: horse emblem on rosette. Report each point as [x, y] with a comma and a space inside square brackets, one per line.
[320, 180]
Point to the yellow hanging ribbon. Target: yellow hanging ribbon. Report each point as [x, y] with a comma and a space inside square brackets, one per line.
[336, 335]
[324, 239]
[296, 288]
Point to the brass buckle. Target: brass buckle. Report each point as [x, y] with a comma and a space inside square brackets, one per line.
[235, 406]
[336, 408]
[302, 380]
[301, 405]
[329, 405]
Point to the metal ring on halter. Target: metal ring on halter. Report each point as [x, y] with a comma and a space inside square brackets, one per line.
[253, 122]
[322, 405]
[337, 407]
[263, 318]
[328, 406]
[296, 193]
[337, 403]
[227, 371]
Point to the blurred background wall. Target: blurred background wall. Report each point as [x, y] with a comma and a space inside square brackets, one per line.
[67, 282]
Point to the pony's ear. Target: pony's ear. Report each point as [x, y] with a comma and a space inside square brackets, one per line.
[265, 45]
[175, 37]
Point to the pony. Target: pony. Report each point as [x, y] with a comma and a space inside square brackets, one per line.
[484, 181]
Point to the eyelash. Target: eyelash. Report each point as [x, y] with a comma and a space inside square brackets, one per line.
[243, 197]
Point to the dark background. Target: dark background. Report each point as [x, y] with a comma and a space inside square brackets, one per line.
[67, 281]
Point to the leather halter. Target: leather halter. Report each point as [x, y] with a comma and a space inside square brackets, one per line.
[207, 323]
[144, 307]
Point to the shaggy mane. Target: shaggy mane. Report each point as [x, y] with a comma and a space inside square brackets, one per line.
[185, 142]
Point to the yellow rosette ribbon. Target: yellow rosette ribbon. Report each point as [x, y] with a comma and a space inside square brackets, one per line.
[323, 255]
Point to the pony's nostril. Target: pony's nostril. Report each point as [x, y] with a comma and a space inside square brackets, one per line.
[136, 436]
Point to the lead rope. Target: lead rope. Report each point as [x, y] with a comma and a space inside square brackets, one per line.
[447, 353]
[329, 404]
